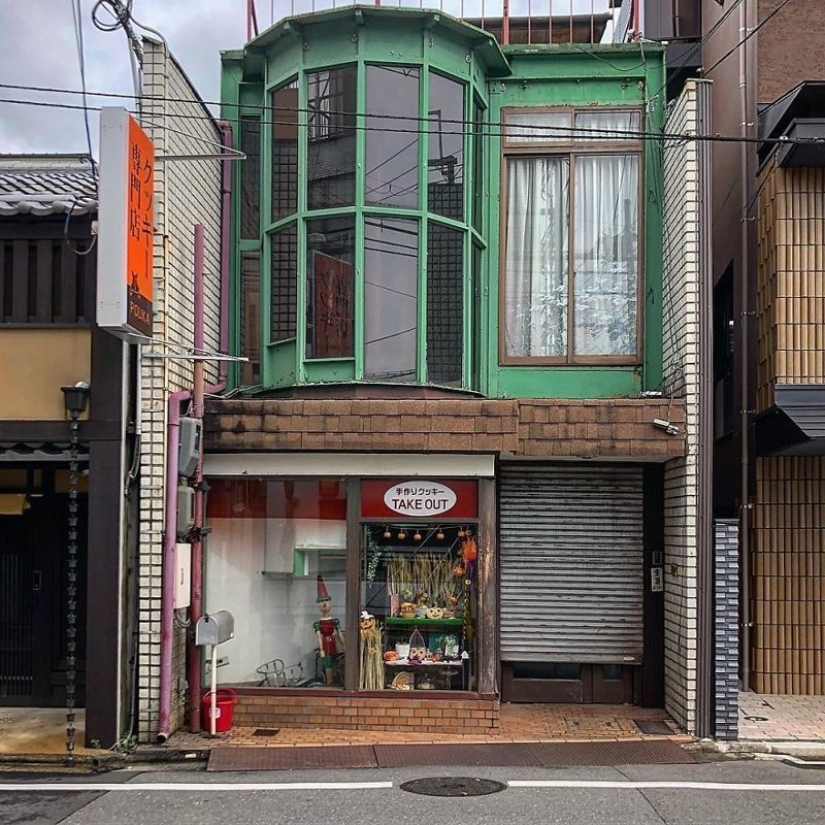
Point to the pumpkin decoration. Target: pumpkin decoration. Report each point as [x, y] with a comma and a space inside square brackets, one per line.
[408, 610]
[435, 613]
[390, 656]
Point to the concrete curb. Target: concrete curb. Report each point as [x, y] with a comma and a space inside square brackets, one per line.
[756, 747]
[106, 761]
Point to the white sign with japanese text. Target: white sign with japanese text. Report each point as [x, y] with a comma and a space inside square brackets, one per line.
[420, 498]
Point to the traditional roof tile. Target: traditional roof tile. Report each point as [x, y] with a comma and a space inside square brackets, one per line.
[44, 185]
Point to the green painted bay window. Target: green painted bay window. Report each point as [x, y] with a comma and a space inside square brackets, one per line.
[571, 263]
[368, 279]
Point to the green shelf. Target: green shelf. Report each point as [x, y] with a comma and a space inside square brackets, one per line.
[397, 620]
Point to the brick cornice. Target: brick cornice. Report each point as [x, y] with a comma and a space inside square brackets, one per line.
[536, 428]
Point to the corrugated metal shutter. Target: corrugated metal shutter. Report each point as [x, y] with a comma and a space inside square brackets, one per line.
[571, 563]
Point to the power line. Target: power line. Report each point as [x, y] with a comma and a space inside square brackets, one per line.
[77, 20]
[485, 131]
[747, 37]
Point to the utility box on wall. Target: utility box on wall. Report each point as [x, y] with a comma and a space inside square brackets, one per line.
[183, 575]
[190, 446]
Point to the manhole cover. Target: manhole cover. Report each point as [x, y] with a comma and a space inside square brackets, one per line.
[453, 786]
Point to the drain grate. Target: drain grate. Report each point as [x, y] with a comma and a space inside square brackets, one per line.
[453, 786]
[266, 731]
[653, 726]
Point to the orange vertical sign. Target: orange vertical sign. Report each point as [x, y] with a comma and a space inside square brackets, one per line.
[139, 250]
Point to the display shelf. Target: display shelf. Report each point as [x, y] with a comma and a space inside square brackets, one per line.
[397, 663]
[397, 621]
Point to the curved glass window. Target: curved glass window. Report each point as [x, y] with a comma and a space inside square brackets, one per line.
[392, 141]
[331, 102]
[390, 299]
[445, 165]
[370, 227]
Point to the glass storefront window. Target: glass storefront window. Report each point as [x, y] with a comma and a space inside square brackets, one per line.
[392, 156]
[276, 559]
[418, 607]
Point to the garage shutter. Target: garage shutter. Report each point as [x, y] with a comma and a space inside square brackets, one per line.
[571, 563]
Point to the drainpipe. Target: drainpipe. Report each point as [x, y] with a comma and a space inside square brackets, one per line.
[226, 218]
[705, 546]
[169, 537]
[196, 606]
[176, 399]
[745, 66]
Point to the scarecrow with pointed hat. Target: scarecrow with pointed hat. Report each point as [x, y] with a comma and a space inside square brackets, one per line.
[327, 633]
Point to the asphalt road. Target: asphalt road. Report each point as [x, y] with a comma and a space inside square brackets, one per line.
[747, 793]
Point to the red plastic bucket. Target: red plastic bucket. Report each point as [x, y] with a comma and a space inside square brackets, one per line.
[224, 706]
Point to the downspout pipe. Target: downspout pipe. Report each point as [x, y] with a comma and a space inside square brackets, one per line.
[196, 603]
[174, 403]
[746, 66]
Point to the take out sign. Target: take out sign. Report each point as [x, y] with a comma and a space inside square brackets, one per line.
[419, 498]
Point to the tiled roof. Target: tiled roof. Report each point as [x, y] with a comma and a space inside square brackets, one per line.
[43, 185]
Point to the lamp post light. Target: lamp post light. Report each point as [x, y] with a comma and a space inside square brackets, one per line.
[75, 399]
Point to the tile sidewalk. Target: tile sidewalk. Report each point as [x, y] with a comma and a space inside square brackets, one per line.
[519, 723]
[766, 717]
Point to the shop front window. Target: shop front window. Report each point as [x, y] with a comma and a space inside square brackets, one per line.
[276, 559]
[419, 589]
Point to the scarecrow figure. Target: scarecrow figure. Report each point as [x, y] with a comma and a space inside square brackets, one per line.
[372, 660]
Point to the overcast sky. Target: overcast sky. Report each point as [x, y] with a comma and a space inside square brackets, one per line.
[37, 48]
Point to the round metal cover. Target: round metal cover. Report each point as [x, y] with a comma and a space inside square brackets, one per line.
[453, 786]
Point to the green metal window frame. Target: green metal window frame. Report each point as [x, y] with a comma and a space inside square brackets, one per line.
[285, 363]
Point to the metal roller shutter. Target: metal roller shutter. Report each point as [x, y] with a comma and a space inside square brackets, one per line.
[571, 563]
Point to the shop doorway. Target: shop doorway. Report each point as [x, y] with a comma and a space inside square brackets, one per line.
[566, 683]
[33, 600]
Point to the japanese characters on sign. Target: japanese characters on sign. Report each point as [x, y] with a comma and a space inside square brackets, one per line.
[139, 250]
[419, 498]
[125, 216]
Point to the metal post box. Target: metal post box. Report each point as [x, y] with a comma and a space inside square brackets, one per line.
[215, 628]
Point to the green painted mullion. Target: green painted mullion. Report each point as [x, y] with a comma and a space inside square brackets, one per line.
[265, 270]
[424, 206]
[303, 183]
[468, 318]
[360, 186]
[448, 222]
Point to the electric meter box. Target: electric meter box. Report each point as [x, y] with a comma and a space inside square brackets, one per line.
[215, 628]
[186, 509]
[190, 446]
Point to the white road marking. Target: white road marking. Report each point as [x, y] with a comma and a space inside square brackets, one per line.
[196, 787]
[659, 786]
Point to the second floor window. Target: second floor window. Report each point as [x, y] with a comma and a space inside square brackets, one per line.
[571, 186]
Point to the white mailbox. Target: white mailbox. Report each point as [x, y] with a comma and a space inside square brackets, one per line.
[215, 628]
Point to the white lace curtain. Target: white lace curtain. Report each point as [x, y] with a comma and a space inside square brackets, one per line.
[537, 237]
[605, 256]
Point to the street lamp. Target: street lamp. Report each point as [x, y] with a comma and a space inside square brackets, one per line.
[75, 399]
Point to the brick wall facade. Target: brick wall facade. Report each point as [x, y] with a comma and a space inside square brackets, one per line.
[186, 193]
[562, 428]
[681, 354]
[441, 715]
